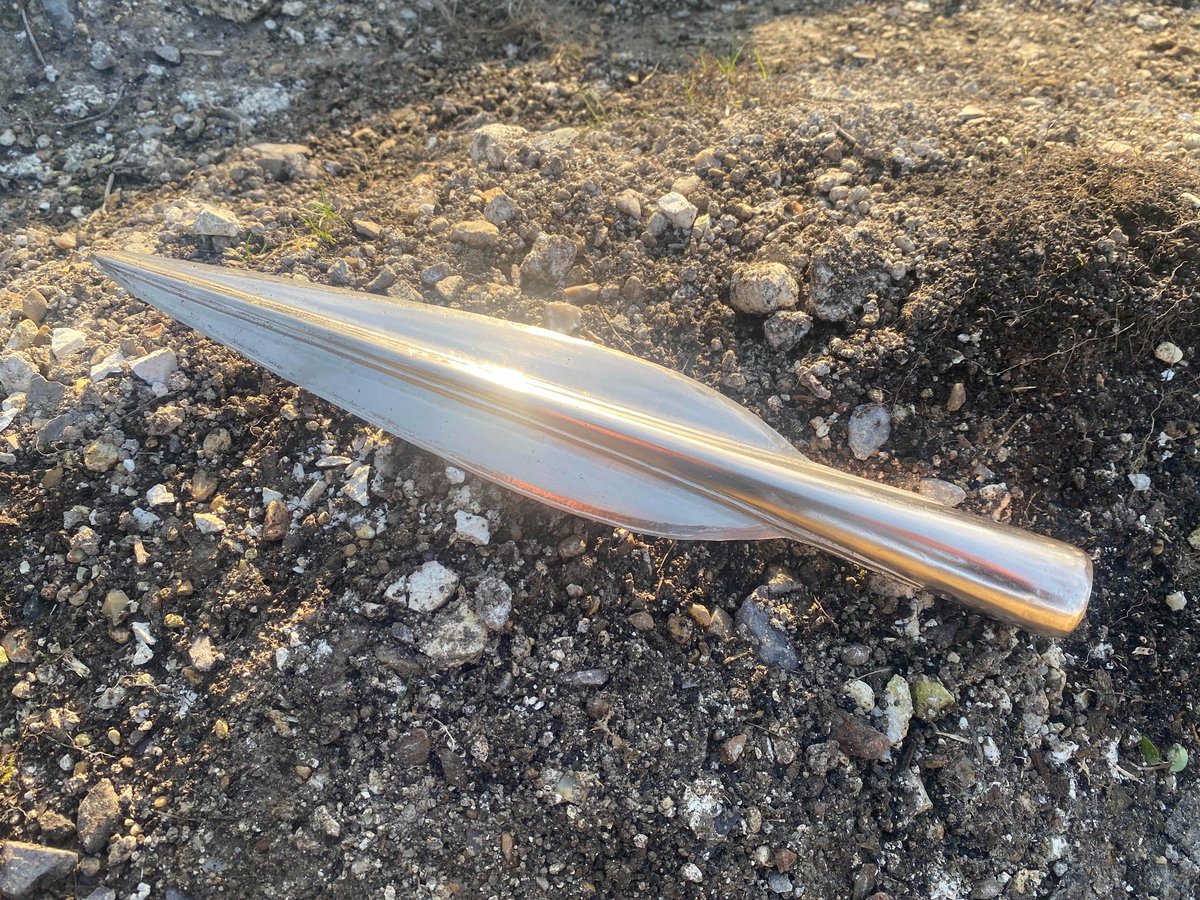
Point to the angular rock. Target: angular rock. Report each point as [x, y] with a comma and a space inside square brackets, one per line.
[943, 492]
[214, 222]
[678, 210]
[870, 427]
[785, 329]
[471, 528]
[759, 288]
[562, 317]
[548, 261]
[492, 143]
[153, 368]
[897, 709]
[203, 655]
[930, 698]
[858, 738]
[430, 586]
[492, 601]
[27, 868]
[276, 521]
[99, 814]
[17, 370]
[67, 342]
[459, 636]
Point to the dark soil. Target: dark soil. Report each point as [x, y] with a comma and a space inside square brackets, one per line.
[1026, 228]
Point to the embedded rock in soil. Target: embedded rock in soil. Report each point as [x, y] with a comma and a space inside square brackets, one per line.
[897, 709]
[548, 261]
[215, 222]
[458, 636]
[493, 601]
[785, 329]
[930, 698]
[870, 427]
[430, 586]
[492, 143]
[26, 868]
[98, 816]
[839, 280]
[943, 492]
[677, 209]
[763, 287]
[153, 368]
[771, 645]
[857, 737]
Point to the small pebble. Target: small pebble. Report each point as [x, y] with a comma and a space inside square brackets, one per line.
[691, 872]
[477, 233]
[677, 209]
[1139, 480]
[1168, 353]
[430, 587]
[943, 492]
[897, 709]
[562, 317]
[772, 645]
[958, 396]
[857, 738]
[158, 495]
[1176, 601]
[214, 222]
[870, 428]
[207, 523]
[930, 698]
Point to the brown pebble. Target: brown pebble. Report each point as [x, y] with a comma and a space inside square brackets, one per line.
[784, 859]
[453, 768]
[203, 486]
[65, 241]
[857, 738]
[732, 749]
[642, 621]
[367, 229]
[700, 614]
[582, 293]
[413, 748]
[958, 396]
[679, 628]
[34, 306]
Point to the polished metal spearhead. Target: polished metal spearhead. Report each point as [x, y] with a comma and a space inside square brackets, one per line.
[603, 434]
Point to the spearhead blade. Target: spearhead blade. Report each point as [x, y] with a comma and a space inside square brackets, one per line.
[602, 434]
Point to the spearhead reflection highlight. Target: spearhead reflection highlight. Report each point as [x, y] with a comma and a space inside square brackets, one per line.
[603, 434]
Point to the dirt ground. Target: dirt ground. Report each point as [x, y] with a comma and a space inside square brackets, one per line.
[254, 648]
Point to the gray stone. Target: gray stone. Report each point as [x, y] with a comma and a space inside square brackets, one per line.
[897, 709]
[98, 816]
[17, 371]
[102, 56]
[153, 368]
[168, 53]
[491, 144]
[458, 636]
[26, 868]
[785, 329]
[562, 317]
[943, 492]
[870, 427]
[548, 261]
[771, 645]
[476, 233]
[493, 602]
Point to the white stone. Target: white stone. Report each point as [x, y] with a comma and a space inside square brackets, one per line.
[861, 693]
[207, 523]
[471, 528]
[110, 365]
[1176, 601]
[678, 210]
[1140, 481]
[898, 709]
[215, 222]
[1168, 353]
[356, 487]
[17, 372]
[159, 495]
[490, 144]
[203, 654]
[144, 518]
[153, 368]
[430, 586]
[66, 342]
[455, 475]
